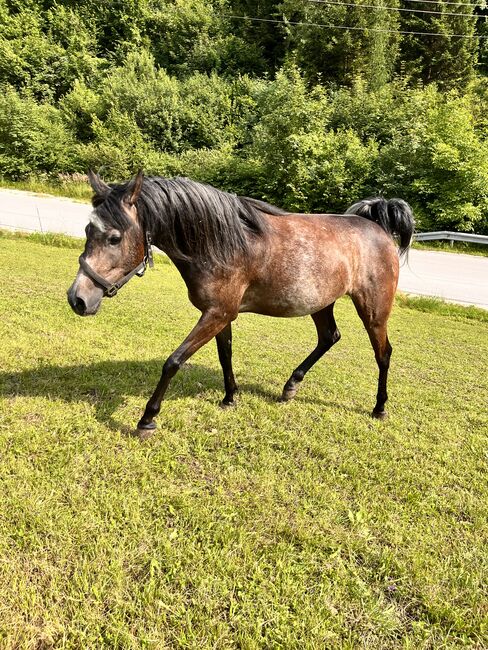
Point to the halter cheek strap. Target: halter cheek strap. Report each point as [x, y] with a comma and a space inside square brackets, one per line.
[110, 289]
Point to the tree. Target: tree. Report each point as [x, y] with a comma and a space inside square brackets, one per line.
[341, 41]
[450, 61]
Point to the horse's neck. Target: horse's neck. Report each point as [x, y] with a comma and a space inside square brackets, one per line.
[183, 267]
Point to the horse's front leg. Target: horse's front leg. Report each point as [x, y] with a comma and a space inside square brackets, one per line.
[210, 324]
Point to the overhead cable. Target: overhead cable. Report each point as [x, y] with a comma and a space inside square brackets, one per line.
[411, 11]
[444, 2]
[351, 27]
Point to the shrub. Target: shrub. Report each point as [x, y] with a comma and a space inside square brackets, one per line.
[173, 115]
[44, 52]
[33, 138]
[119, 148]
[303, 164]
[439, 162]
[79, 107]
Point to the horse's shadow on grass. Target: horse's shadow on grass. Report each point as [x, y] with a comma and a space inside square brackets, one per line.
[106, 384]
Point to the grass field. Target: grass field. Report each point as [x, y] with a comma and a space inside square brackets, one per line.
[300, 525]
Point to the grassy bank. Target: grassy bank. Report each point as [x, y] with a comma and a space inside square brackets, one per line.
[304, 525]
[79, 190]
[457, 247]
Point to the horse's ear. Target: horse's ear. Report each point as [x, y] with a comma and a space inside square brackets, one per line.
[100, 188]
[135, 187]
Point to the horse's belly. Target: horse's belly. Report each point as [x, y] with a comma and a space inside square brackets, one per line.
[298, 300]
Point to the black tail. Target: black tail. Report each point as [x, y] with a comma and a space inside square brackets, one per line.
[395, 216]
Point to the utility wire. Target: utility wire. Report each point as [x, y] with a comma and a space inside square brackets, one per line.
[411, 11]
[361, 29]
[444, 2]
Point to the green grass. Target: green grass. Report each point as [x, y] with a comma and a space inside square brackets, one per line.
[300, 525]
[457, 247]
[68, 187]
[52, 239]
[441, 307]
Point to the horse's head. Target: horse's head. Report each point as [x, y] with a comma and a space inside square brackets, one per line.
[116, 246]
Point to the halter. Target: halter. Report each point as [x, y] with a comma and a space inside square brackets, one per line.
[110, 289]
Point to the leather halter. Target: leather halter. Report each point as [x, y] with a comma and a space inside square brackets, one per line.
[110, 289]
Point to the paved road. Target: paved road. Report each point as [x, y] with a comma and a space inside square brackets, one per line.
[40, 213]
[454, 277]
[457, 278]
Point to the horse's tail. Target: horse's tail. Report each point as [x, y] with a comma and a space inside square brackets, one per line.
[395, 216]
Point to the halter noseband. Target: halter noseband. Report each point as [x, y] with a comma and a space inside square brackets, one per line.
[110, 289]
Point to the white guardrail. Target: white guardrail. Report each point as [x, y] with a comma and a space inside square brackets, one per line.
[451, 236]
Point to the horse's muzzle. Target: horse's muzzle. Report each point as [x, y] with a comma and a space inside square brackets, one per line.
[76, 304]
[81, 305]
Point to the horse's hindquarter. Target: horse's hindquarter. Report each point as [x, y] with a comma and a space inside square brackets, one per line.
[307, 263]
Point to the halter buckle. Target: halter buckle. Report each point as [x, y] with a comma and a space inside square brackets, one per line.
[111, 291]
[149, 255]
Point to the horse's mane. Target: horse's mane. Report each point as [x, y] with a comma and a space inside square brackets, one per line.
[195, 222]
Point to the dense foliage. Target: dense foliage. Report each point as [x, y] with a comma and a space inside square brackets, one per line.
[286, 108]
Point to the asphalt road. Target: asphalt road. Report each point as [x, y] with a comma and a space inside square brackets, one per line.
[41, 213]
[457, 278]
[454, 277]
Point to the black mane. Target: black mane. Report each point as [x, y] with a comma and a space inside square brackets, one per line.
[193, 221]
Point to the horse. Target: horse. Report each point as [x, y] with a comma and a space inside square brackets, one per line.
[239, 254]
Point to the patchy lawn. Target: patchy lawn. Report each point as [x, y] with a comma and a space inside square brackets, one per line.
[299, 525]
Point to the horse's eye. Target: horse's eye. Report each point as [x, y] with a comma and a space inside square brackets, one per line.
[114, 240]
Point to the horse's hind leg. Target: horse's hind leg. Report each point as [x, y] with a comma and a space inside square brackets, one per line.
[328, 334]
[224, 348]
[375, 322]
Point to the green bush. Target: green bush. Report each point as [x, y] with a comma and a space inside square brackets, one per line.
[33, 138]
[438, 160]
[370, 114]
[173, 115]
[79, 109]
[148, 95]
[119, 148]
[302, 163]
[45, 52]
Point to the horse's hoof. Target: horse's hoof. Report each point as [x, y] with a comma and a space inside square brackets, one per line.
[379, 415]
[288, 395]
[226, 405]
[143, 434]
[145, 431]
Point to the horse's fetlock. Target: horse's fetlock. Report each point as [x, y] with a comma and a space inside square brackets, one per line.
[151, 411]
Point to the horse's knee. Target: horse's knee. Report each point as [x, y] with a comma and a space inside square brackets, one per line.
[171, 366]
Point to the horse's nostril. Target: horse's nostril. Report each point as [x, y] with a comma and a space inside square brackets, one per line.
[79, 306]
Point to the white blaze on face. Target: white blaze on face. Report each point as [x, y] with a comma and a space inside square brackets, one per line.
[96, 221]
